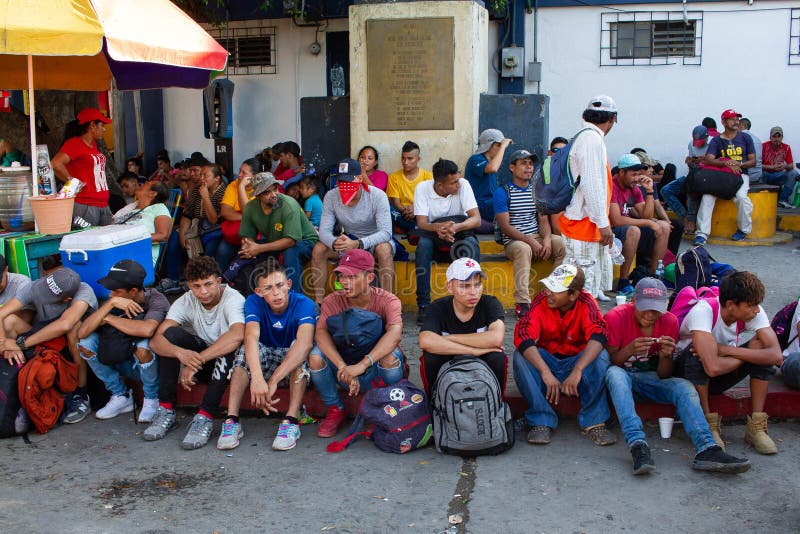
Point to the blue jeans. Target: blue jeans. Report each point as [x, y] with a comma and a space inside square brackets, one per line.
[401, 222]
[210, 242]
[293, 259]
[225, 253]
[670, 193]
[785, 179]
[328, 386]
[625, 385]
[591, 388]
[423, 257]
[111, 375]
[176, 257]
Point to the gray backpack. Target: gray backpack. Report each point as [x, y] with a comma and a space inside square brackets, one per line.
[469, 415]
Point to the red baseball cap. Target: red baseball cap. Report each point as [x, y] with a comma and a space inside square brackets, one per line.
[730, 113]
[90, 115]
[355, 261]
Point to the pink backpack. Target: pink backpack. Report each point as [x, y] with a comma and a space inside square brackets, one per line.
[689, 296]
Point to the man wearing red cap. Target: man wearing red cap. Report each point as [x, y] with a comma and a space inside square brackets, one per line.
[733, 151]
[330, 367]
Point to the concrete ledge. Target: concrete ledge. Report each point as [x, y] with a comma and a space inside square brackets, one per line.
[789, 222]
[776, 239]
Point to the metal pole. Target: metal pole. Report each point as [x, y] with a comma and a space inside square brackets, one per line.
[32, 120]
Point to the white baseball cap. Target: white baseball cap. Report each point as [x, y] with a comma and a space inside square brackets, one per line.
[602, 103]
[561, 277]
[463, 268]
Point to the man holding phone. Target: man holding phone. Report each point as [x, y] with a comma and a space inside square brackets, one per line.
[641, 343]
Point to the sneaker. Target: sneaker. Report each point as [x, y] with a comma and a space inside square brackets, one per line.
[164, 421]
[198, 433]
[785, 205]
[699, 241]
[288, 434]
[757, 436]
[628, 291]
[77, 409]
[117, 404]
[330, 425]
[642, 461]
[716, 460]
[521, 309]
[602, 297]
[738, 236]
[230, 435]
[600, 435]
[539, 435]
[149, 407]
[421, 315]
[169, 286]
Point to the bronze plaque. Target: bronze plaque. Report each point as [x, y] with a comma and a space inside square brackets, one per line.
[410, 74]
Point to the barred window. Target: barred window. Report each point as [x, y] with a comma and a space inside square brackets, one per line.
[794, 37]
[252, 47]
[650, 38]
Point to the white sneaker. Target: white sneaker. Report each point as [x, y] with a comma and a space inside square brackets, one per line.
[148, 412]
[118, 404]
[602, 297]
[288, 434]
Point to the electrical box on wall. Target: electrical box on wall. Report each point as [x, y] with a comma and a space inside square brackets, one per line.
[512, 62]
[535, 71]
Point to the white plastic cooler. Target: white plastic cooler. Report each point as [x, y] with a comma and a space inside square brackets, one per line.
[91, 253]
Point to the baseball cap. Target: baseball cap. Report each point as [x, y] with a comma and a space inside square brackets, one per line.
[293, 180]
[561, 277]
[463, 268]
[125, 274]
[602, 103]
[197, 159]
[56, 286]
[774, 130]
[630, 162]
[522, 154]
[699, 135]
[651, 294]
[487, 139]
[263, 181]
[347, 170]
[646, 159]
[355, 261]
[730, 113]
[92, 114]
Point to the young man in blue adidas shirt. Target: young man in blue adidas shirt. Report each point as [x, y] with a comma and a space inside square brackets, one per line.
[481, 170]
[526, 234]
[278, 335]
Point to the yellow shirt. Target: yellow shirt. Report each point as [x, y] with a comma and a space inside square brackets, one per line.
[399, 187]
[231, 196]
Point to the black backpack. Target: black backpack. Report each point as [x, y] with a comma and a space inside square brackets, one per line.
[9, 398]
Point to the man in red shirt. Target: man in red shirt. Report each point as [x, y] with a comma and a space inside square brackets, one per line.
[560, 350]
[641, 342]
[778, 165]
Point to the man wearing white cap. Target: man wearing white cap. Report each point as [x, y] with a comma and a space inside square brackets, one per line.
[585, 226]
[560, 351]
[466, 323]
[481, 169]
[641, 342]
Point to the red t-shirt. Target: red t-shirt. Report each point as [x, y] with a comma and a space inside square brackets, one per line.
[626, 198]
[623, 329]
[563, 336]
[772, 156]
[88, 165]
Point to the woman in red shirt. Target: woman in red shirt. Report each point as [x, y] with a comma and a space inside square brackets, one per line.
[79, 158]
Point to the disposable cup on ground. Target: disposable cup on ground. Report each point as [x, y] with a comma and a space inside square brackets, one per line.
[621, 299]
[665, 426]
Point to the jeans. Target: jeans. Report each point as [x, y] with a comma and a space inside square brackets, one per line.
[625, 385]
[790, 370]
[376, 376]
[111, 375]
[210, 242]
[670, 194]
[176, 257]
[293, 259]
[423, 257]
[225, 253]
[591, 388]
[216, 373]
[785, 179]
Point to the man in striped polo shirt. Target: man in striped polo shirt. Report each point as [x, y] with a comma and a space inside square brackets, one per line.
[526, 234]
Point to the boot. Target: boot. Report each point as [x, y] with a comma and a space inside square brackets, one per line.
[714, 424]
[756, 434]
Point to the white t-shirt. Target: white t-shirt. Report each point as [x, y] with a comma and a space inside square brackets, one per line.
[428, 202]
[700, 318]
[209, 325]
[794, 346]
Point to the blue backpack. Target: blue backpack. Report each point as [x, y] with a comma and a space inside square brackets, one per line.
[554, 184]
[693, 269]
[400, 418]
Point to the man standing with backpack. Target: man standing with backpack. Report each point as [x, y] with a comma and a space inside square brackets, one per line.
[585, 225]
[725, 340]
[525, 233]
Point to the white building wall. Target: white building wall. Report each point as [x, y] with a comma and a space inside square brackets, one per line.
[744, 66]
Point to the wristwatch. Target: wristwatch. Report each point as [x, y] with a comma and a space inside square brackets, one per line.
[648, 193]
[360, 243]
[21, 339]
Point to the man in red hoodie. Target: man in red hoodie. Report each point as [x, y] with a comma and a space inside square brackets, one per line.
[560, 350]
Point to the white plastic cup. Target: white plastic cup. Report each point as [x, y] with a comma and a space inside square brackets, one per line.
[621, 299]
[665, 426]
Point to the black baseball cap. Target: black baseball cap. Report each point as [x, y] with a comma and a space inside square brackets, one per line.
[125, 274]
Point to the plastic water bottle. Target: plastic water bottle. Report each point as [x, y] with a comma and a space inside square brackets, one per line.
[660, 270]
[310, 170]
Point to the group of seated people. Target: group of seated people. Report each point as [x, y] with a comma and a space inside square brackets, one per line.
[564, 346]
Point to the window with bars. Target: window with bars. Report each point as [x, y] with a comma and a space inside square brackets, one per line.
[252, 47]
[794, 37]
[650, 38]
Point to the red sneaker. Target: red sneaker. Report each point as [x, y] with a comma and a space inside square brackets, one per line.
[330, 425]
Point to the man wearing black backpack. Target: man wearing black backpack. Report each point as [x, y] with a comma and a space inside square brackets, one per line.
[115, 339]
